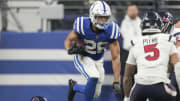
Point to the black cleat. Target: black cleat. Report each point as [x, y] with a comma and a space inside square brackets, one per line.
[71, 93]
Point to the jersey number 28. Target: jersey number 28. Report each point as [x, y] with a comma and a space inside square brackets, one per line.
[151, 48]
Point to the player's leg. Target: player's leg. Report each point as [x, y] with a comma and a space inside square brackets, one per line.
[162, 92]
[171, 92]
[100, 68]
[138, 93]
[175, 84]
[87, 67]
[177, 76]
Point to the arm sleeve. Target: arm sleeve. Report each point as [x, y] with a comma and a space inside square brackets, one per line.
[75, 25]
[131, 58]
[115, 32]
[78, 26]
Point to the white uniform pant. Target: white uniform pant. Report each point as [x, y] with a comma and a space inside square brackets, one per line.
[90, 68]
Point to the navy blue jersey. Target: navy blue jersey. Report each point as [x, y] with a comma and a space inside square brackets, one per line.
[95, 44]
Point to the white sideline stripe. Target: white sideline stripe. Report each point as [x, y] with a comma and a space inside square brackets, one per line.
[45, 79]
[40, 54]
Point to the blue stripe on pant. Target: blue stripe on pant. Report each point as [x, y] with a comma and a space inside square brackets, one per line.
[80, 67]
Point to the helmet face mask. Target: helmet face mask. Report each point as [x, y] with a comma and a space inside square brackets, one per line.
[167, 28]
[168, 21]
[101, 23]
[100, 14]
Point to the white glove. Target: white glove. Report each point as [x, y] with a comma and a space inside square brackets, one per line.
[126, 98]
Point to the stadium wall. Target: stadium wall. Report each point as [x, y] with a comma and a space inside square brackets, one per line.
[36, 64]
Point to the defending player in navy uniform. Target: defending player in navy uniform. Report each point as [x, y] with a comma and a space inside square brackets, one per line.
[151, 54]
[97, 32]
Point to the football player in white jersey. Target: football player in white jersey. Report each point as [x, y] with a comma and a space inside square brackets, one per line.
[97, 32]
[151, 54]
[177, 70]
[171, 28]
[177, 32]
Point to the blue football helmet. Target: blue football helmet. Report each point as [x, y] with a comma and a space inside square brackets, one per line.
[168, 21]
[151, 23]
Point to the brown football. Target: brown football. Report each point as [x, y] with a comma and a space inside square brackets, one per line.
[78, 43]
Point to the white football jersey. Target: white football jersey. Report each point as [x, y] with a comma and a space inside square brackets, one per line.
[176, 30]
[151, 55]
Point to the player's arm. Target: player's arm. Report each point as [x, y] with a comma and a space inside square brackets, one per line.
[128, 78]
[130, 70]
[72, 36]
[174, 58]
[174, 55]
[115, 53]
[176, 62]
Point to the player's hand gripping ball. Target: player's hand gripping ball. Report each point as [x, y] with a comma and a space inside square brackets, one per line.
[77, 47]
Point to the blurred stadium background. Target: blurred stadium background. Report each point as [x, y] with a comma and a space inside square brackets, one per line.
[33, 61]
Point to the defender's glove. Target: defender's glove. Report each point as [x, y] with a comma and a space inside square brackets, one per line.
[117, 89]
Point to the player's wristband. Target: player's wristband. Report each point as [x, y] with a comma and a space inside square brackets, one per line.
[177, 65]
[126, 98]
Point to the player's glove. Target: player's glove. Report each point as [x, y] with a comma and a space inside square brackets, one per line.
[126, 99]
[117, 89]
[76, 50]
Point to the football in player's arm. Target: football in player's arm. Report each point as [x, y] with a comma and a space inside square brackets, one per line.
[115, 53]
[97, 32]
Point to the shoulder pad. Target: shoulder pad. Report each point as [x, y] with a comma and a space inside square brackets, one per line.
[79, 26]
[168, 37]
[114, 31]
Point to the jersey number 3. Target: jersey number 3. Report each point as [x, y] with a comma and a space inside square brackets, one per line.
[151, 48]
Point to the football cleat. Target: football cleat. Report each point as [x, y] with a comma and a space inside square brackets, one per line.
[71, 92]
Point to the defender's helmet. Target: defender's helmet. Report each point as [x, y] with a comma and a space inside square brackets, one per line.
[38, 98]
[151, 23]
[168, 21]
[102, 9]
